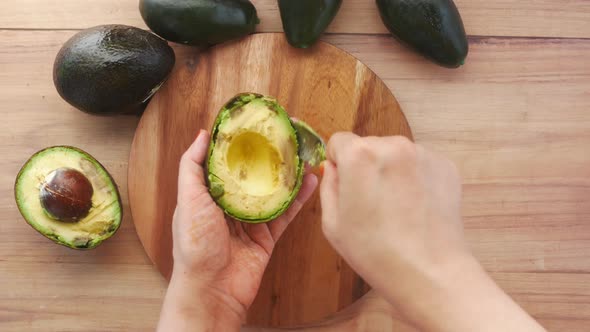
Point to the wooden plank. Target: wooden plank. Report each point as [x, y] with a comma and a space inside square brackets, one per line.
[515, 119]
[79, 297]
[561, 302]
[540, 18]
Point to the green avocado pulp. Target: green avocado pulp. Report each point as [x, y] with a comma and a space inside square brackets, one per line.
[254, 163]
[254, 167]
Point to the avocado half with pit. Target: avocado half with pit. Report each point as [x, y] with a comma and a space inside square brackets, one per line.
[254, 168]
[68, 196]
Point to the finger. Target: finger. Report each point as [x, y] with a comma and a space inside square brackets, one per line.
[198, 150]
[231, 226]
[329, 193]
[191, 175]
[338, 144]
[260, 234]
[278, 226]
[240, 231]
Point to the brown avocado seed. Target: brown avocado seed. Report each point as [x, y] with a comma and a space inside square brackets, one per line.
[66, 195]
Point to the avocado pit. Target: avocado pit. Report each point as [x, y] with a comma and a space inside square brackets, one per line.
[66, 195]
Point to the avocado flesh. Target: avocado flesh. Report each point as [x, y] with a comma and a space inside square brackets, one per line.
[104, 216]
[254, 168]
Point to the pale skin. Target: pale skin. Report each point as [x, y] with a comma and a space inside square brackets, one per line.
[403, 235]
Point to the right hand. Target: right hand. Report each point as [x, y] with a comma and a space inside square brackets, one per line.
[393, 210]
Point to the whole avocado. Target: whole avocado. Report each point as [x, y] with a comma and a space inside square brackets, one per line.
[199, 22]
[431, 27]
[305, 20]
[111, 69]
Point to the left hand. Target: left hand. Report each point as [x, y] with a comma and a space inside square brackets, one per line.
[214, 254]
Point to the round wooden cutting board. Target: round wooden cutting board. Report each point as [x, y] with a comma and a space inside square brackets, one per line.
[324, 86]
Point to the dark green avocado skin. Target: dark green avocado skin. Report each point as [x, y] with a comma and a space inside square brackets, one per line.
[305, 20]
[199, 22]
[431, 27]
[111, 69]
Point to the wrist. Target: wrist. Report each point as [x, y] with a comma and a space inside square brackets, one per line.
[202, 303]
[448, 296]
[423, 288]
[465, 298]
[440, 282]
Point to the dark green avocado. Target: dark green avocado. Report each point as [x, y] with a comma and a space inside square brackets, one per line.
[111, 69]
[305, 20]
[431, 27]
[199, 22]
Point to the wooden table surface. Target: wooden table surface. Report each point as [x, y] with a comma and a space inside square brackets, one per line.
[515, 118]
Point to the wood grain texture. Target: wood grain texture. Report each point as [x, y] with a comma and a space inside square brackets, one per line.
[326, 87]
[533, 18]
[515, 119]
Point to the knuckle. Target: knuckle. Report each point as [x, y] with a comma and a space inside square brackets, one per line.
[338, 136]
[185, 157]
[399, 149]
[361, 150]
[337, 139]
[403, 145]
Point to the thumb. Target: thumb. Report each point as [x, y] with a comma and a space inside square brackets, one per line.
[329, 195]
[191, 174]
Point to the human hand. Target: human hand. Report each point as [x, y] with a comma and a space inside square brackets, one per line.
[393, 210]
[218, 260]
[388, 201]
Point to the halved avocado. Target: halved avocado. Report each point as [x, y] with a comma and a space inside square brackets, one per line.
[68, 196]
[254, 168]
